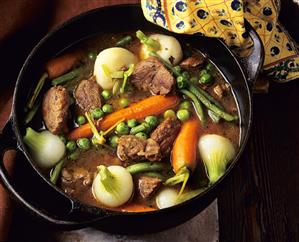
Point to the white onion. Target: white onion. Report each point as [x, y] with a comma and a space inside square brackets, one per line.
[170, 48]
[117, 189]
[167, 198]
[216, 152]
[114, 59]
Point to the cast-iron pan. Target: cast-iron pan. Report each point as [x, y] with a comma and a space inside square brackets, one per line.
[52, 205]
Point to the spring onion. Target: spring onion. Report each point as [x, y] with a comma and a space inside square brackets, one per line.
[54, 175]
[46, 148]
[127, 74]
[113, 186]
[148, 41]
[216, 152]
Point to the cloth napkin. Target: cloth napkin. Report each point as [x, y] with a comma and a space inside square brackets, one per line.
[225, 19]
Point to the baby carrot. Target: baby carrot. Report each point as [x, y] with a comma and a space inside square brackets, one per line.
[153, 105]
[184, 153]
[61, 64]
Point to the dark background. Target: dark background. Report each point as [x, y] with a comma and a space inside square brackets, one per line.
[261, 201]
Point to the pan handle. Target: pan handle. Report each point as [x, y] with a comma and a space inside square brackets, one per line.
[49, 204]
[252, 63]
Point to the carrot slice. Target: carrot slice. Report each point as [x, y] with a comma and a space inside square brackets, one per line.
[60, 65]
[185, 146]
[153, 105]
[133, 207]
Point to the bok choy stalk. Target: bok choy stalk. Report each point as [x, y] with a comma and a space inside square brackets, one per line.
[216, 152]
[113, 185]
[46, 148]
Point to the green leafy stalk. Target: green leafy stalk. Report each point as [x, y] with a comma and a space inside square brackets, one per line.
[127, 74]
[148, 41]
[67, 77]
[98, 137]
[108, 180]
[181, 177]
[188, 195]
[37, 90]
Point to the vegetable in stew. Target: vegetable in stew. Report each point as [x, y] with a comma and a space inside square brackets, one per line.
[132, 122]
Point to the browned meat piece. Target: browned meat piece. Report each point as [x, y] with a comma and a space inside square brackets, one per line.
[87, 95]
[151, 75]
[75, 179]
[152, 150]
[218, 91]
[147, 186]
[166, 133]
[130, 147]
[134, 148]
[55, 109]
[193, 61]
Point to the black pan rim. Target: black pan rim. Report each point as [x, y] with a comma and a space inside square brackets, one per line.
[22, 148]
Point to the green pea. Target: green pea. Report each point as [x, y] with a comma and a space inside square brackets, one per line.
[107, 108]
[183, 114]
[97, 113]
[62, 138]
[141, 135]
[205, 78]
[81, 120]
[132, 123]
[202, 72]
[210, 67]
[113, 141]
[123, 102]
[178, 68]
[92, 55]
[74, 155]
[185, 105]
[83, 143]
[122, 128]
[151, 120]
[71, 145]
[106, 94]
[169, 113]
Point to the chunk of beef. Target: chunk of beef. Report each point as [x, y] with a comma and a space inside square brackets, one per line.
[130, 147]
[134, 148]
[193, 61]
[166, 133]
[55, 109]
[87, 95]
[75, 179]
[152, 150]
[151, 75]
[147, 186]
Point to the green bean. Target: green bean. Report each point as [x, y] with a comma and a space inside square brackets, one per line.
[205, 101]
[54, 175]
[197, 104]
[145, 167]
[67, 77]
[31, 113]
[37, 90]
[208, 96]
[124, 41]
[139, 128]
[165, 63]
[155, 174]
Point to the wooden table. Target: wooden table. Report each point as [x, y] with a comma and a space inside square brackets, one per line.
[260, 203]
